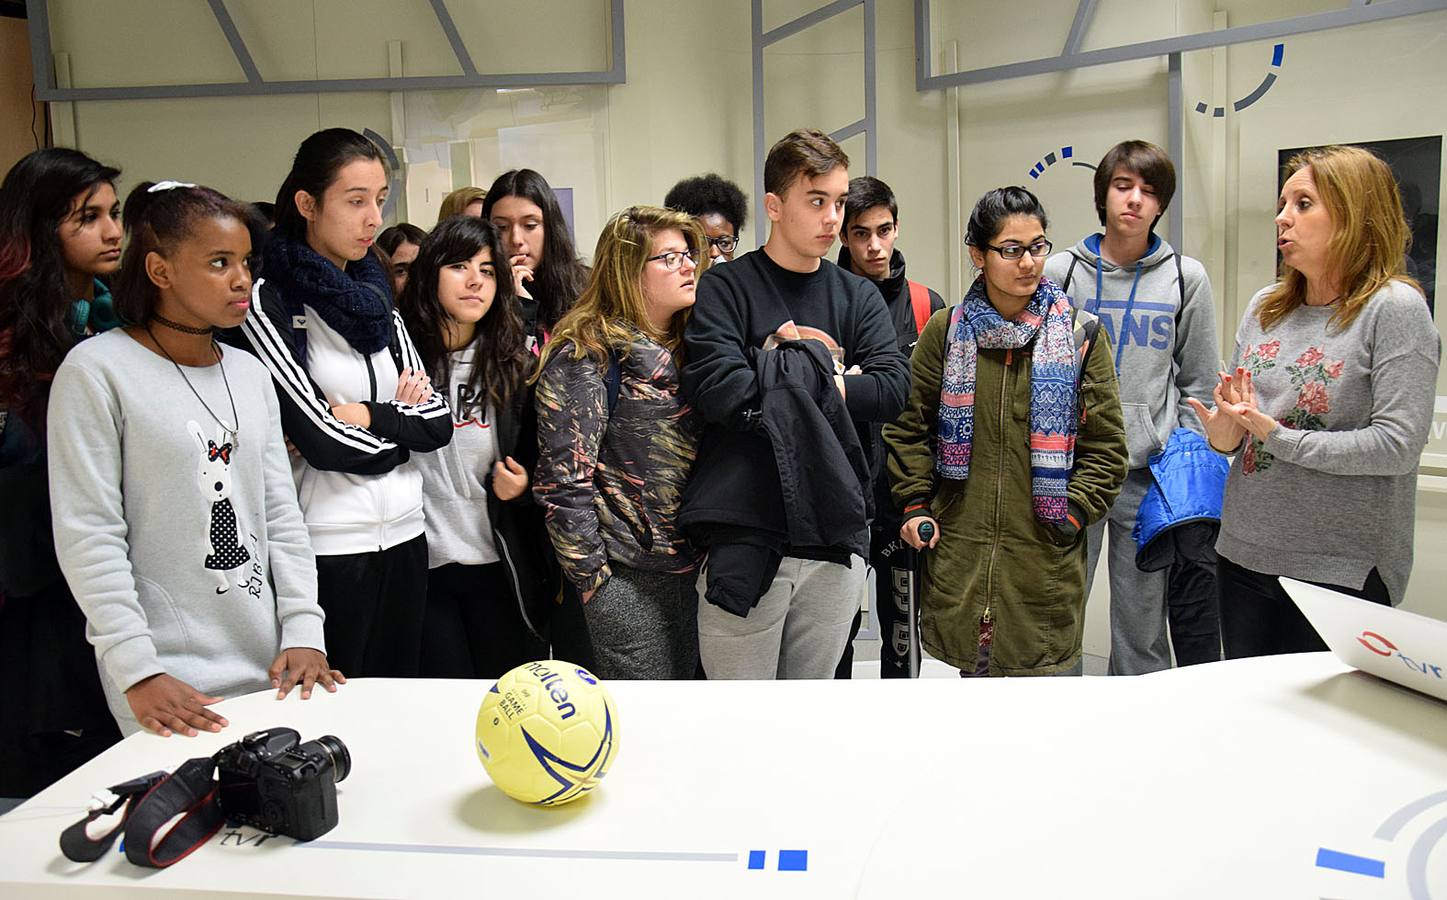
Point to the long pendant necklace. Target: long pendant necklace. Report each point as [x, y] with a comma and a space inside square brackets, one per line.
[231, 429]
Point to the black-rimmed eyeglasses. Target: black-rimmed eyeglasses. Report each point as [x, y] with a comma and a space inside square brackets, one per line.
[1015, 251]
[725, 242]
[674, 258]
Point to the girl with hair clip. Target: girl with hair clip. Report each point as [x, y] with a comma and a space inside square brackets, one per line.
[1327, 407]
[1012, 442]
[491, 579]
[175, 513]
[616, 442]
[60, 234]
[356, 402]
[548, 276]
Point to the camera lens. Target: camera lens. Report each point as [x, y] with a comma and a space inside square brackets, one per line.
[336, 751]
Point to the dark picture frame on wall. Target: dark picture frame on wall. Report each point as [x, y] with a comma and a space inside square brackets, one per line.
[1417, 165]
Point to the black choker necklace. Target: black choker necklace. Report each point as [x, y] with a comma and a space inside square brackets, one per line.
[177, 326]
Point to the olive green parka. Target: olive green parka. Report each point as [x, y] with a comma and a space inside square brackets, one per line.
[995, 561]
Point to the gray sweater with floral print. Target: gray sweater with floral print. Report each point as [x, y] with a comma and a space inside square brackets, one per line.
[1331, 494]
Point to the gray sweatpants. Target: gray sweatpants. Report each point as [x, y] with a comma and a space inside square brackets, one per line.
[1138, 642]
[798, 630]
[642, 625]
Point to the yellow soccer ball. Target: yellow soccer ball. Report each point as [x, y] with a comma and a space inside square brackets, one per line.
[547, 732]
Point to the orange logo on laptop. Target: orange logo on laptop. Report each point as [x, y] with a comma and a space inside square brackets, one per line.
[1377, 644]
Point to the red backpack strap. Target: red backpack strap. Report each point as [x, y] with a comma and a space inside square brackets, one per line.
[919, 301]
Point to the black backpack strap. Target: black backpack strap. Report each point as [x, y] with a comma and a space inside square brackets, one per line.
[613, 380]
[1069, 275]
[1181, 282]
[1085, 335]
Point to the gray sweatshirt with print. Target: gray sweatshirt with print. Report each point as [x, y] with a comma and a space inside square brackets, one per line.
[1332, 492]
[1162, 325]
[183, 545]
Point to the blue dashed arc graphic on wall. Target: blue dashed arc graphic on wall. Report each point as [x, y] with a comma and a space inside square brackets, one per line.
[1218, 112]
[1052, 158]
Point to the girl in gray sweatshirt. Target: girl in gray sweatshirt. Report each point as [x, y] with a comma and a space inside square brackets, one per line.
[175, 515]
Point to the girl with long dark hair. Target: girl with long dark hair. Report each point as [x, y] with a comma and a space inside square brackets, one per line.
[547, 273]
[60, 236]
[175, 514]
[355, 401]
[491, 580]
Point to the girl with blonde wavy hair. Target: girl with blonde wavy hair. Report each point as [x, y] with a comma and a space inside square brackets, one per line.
[1327, 407]
[615, 445]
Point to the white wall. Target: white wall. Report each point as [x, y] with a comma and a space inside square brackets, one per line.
[686, 109]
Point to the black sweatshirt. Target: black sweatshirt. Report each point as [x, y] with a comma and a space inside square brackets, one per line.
[741, 304]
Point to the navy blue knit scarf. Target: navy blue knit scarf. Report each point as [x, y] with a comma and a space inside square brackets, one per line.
[355, 302]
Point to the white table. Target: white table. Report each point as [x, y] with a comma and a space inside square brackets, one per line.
[1228, 780]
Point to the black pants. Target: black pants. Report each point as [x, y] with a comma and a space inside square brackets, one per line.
[54, 716]
[375, 603]
[1192, 612]
[473, 627]
[894, 573]
[1259, 619]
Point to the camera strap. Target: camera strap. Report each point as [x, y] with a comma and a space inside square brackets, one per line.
[150, 802]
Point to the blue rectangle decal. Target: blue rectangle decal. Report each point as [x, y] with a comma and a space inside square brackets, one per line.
[1347, 862]
[793, 860]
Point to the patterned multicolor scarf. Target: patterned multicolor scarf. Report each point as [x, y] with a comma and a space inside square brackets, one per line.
[1045, 321]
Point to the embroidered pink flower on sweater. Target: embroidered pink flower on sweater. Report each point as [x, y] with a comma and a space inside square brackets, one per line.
[1269, 350]
[1310, 357]
[1313, 399]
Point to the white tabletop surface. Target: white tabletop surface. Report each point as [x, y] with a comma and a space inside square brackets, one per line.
[1237, 779]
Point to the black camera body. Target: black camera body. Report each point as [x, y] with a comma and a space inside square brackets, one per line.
[272, 781]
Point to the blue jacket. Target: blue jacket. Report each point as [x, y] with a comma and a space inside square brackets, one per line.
[1188, 483]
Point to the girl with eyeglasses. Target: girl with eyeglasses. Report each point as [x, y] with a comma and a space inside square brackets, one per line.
[718, 205]
[616, 442]
[1011, 443]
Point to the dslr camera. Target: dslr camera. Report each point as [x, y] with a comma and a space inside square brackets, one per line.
[272, 781]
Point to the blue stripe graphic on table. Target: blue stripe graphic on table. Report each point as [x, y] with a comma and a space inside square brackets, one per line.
[1347, 862]
[788, 860]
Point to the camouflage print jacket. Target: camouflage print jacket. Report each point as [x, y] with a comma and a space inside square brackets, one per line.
[612, 485]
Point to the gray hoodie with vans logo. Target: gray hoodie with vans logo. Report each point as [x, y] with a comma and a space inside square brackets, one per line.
[1162, 327]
